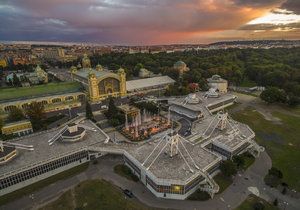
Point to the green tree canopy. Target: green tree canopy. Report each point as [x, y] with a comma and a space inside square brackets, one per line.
[88, 111]
[228, 168]
[36, 114]
[15, 114]
[273, 94]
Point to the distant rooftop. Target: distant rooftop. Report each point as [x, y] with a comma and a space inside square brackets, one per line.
[7, 94]
[216, 79]
[149, 82]
[84, 73]
[42, 150]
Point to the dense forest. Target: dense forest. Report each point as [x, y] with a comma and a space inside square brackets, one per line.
[277, 67]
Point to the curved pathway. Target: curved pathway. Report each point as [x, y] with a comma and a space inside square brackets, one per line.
[232, 197]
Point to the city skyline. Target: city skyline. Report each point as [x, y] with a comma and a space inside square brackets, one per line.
[141, 22]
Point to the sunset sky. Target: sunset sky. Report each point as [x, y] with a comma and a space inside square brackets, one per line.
[141, 22]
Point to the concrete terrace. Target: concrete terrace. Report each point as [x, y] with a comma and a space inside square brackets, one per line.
[175, 168]
[42, 150]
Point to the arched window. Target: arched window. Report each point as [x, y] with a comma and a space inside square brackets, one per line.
[109, 86]
[81, 97]
[25, 106]
[56, 100]
[69, 98]
[9, 108]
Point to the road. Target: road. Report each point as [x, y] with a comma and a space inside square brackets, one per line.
[232, 197]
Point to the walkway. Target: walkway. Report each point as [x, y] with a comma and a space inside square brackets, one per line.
[231, 198]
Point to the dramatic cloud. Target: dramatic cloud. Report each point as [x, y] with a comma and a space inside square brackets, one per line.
[129, 21]
[292, 5]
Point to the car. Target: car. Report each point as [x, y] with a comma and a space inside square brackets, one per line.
[128, 193]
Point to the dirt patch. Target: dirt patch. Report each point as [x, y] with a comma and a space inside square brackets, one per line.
[268, 116]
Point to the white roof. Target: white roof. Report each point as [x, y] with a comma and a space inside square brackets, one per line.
[148, 82]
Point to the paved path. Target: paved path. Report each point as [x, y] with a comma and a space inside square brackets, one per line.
[231, 198]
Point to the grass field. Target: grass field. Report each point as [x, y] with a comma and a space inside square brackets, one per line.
[280, 140]
[39, 185]
[95, 195]
[124, 171]
[38, 90]
[199, 195]
[223, 182]
[248, 204]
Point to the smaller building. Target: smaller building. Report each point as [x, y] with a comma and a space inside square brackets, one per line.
[181, 67]
[145, 73]
[36, 77]
[140, 85]
[3, 63]
[19, 128]
[218, 83]
[99, 83]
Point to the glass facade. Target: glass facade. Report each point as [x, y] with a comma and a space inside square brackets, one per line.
[214, 106]
[42, 169]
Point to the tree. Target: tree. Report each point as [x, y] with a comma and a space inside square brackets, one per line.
[112, 109]
[273, 94]
[88, 111]
[239, 161]
[1, 123]
[10, 82]
[293, 100]
[228, 168]
[284, 191]
[36, 114]
[16, 80]
[258, 206]
[137, 69]
[275, 202]
[273, 178]
[15, 114]
[275, 172]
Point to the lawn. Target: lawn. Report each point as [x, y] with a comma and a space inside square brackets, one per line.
[280, 140]
[248, 204]
[38, 90]
[199, 195]
[126, 172]
[95, 195]
[223, 182]
[39, 185]
[249, 160]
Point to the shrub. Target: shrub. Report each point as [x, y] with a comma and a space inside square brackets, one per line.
[258, 206]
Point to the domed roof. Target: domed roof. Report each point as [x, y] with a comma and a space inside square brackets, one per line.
[121, 71]
[216, 77]
[144, 70]
[99, 67]
[86, 63]
[38, 68]
[179, 64]
[73, 69]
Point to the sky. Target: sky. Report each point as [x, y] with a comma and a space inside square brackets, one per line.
[148, 22]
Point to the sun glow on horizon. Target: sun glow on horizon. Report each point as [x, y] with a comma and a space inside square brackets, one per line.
[277, 17]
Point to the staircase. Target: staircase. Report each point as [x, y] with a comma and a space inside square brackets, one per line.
[255, 150]
[211, 187]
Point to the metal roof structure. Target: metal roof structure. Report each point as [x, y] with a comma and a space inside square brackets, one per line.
[138, 84]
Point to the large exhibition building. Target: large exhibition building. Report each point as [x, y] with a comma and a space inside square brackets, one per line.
[85, 82]
[170, 164]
